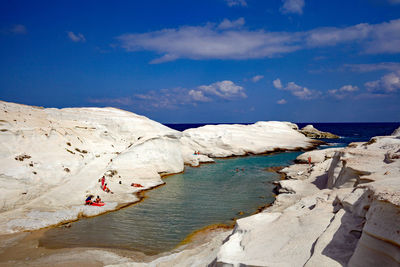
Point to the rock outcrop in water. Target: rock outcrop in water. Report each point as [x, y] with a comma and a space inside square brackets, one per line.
[51, 159]
[311, 132]
[343, 209]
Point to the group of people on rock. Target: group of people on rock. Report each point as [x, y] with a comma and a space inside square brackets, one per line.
[104, 186]
[196, 153]
[89, 200]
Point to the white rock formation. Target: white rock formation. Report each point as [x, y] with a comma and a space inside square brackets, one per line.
[343, 209]
[234, 140]
[51, 159]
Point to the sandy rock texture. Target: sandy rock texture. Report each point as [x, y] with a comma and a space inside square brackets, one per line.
[51, 159]
[343, 209]
[311, 132]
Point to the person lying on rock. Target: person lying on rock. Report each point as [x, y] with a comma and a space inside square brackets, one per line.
[136, 185]
[88, 200]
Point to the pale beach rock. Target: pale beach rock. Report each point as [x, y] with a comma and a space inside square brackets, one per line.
[356, 194]
[259, 241]
[317, 156]
[52, 159]
[336, 244]
[231, 140]
[380, 240]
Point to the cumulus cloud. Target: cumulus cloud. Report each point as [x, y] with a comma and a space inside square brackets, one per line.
[231, 24]
[390, 66]
[277, 84]
[198, 95]
[292, 6]
[282, 101]
[389, 83]
[175, 97]
[223, 89]
[343, 91]
[79, 37]
[257, 78]
[299, 91]
[236, 3]
[230, 42]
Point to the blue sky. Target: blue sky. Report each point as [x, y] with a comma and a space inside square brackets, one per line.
[206, 61]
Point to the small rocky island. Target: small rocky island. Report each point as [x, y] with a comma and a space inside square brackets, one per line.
[311, 132]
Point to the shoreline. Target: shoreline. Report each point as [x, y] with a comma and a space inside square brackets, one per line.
[141, 193]
[341, 210]
[188, 241]
[62, 152]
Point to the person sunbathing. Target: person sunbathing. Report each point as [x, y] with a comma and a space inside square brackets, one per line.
[106, 189]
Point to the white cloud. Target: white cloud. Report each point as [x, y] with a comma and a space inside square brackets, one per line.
[374, 38]
[209, 42]
[389, 83]
[257, 78]
[343, 91]
[282, 101]
[297, 90]
[348, 88]
[76, 37]
[212, 42]
[236, 3]
[331, 36]
[173, 98]
[390, 66]
[231, 24]
[224, 89]
[198, 96]
[18, 29]
[292, 6]
[277, 84]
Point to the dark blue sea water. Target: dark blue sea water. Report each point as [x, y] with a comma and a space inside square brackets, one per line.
[211, 194]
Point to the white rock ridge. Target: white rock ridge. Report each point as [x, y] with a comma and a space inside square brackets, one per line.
[51, 159]
[341, 210]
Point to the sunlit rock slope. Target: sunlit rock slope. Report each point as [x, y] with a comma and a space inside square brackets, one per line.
[343, 209]
[51, 159]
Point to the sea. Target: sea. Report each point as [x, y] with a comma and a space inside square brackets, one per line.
[211, 194]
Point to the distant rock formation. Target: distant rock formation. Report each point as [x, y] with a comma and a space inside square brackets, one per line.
[396, 132]
[311, 132]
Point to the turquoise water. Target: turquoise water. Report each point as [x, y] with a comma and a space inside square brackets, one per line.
[211, 194]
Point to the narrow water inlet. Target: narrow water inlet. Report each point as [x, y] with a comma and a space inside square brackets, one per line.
[212, 194]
